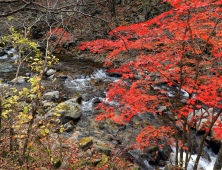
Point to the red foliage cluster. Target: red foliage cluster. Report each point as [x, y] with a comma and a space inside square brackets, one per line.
[58, 32]
[153, 134]
[183, 46]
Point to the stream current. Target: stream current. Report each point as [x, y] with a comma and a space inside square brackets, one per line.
[89, 80]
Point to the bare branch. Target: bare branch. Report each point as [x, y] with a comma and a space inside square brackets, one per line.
[15, 11]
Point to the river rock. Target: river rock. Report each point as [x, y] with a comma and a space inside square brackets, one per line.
[95, 102]
[141, 18]
[73, 138]
[51, 95]
[51, 77]
[138, 76]
[96, 82]
[96, 161]
[68, 110]
[28, 74]
[89, 153]
[114, 74]
[162, 109]
[2, 53]
[102, 148]
[170, 167]
[20, 80]
[47, 104]
[50, 72]
[57, 146]
[62, 76]
[69, 127]
[154, 158]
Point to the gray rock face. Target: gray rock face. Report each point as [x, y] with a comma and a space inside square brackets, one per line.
[50, 72]
[69, 109]
[51, 95]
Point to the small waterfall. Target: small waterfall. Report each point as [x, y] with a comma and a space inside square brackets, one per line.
[203, 164]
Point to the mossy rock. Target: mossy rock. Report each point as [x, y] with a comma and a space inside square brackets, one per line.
[104, 160]
[85, 142]
[152, 149]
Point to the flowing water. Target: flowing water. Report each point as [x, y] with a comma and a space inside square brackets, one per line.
[203, 163]
[89, 80]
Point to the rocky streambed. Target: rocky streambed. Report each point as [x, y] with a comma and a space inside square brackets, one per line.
[79, 88]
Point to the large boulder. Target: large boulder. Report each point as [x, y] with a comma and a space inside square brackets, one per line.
[51, 95]
[68, 110]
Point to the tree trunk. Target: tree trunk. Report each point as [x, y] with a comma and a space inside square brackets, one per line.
[218, 163]
[112, 9]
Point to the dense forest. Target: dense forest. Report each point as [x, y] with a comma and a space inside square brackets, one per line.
[111, 84]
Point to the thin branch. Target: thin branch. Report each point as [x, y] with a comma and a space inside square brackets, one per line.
[15, 11]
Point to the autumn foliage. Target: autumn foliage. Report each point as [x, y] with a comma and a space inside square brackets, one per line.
[60, 33]
[181, 46]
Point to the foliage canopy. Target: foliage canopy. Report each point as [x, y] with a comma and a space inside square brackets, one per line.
[182, 48]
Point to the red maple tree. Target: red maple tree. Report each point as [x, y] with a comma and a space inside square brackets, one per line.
[182, 49]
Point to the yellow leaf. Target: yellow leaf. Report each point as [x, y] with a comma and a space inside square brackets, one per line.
[30, 117]
[46, 130]
[30, 144]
